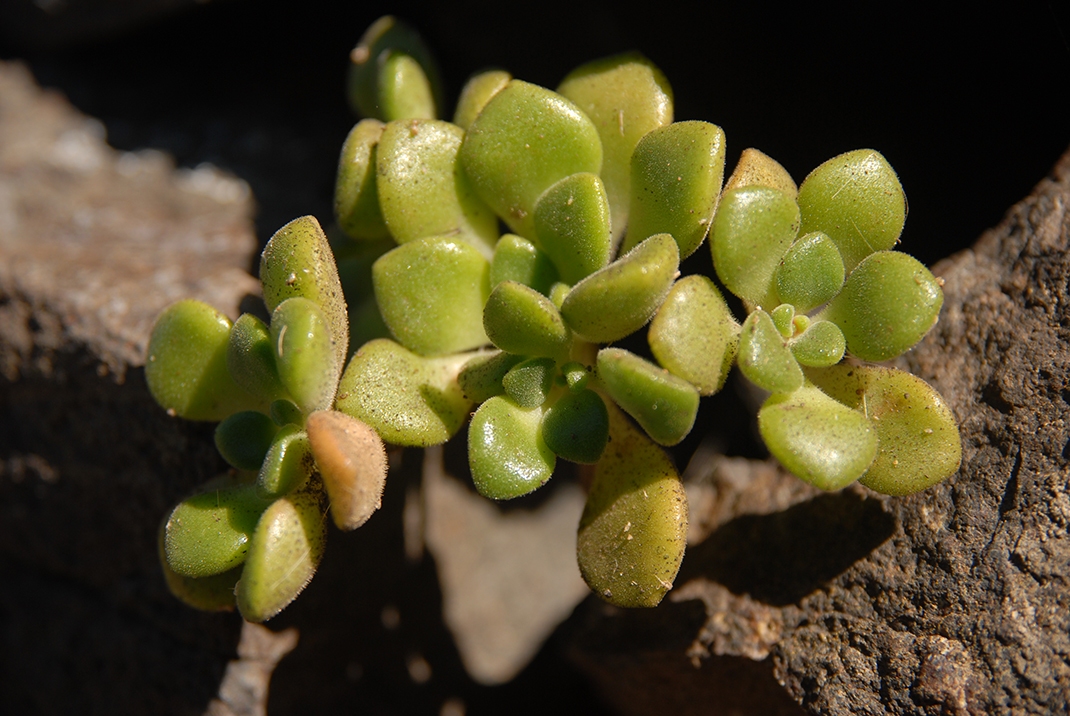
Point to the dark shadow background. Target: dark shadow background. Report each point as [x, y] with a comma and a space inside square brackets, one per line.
[970, 108]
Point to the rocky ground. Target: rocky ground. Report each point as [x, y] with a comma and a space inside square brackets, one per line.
[148, 158]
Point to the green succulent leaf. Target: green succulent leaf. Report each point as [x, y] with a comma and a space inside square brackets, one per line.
[626, 97]
[284, 551]
[251, 358]
[572, 225]
[298, 261]
[818, 439]
[356, 193]
[351, 459]
[287, 465]
[633, 530]
[758, 169]
[752, 231]
[811, 273]
[526, 139]
[676, 180]
[576, 427]
[521, 320]
[822, 344]
[431, 294]
[784, 319]
[765, 358]
[407, 399]
[506, 450]
[477, 91]
[386, 38]
[664, 406]
[619, 299]
[889, 302]
[286, 412]
[528, 383]
[576, 375]
[186, 366]
[305, 353]
[919, 441]
[405, 91]
[857, 200]
[517, 259]
[209, 533]
[482, 376]
[243, 439]
[694, 334]
[422, 190]
[210, 594]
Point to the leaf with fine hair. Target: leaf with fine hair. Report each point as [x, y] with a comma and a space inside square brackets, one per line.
[633, 530]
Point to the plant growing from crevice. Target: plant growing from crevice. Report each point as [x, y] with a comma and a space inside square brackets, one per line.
[453, 322]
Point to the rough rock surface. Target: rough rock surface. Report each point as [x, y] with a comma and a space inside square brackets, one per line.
[87, 466]
[952, 601]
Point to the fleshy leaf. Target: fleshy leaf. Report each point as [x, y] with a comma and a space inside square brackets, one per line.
[626, 97]
[753, 229]
[405, 91]
[634, 526]
[477, 91]
[286, 412]
[304, 353]
[818, 439]
[526, 139]
[889, 302]
[528, 383]
[506, 451]
[351, 459]
[758, 169]
[572, 225]
[517, 259]
[251, 358]
[384, 37]
[694, 334]
[209, 533]
[857, 200]
[298, 261]
[481, 378]
[784, 319]
[356, 194]
[186, 366]
[576, 375]
[765, 358]
[576, 427]
[619, 299]
[210, 594]
[243, 439]
[521, 320]
[821, 344]
[283, 554]
[407, 399]
[287, 465]
[676, 180]
[919, 441]
[422, 190]
[811, 273]
[431, 294]
[664, 406]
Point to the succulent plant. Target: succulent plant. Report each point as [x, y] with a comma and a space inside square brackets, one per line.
[455, 322]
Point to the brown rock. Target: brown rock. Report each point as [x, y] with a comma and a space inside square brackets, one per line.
[93, 244]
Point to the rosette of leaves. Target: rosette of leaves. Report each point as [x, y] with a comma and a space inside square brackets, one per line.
[256, 534]
[601, 195]
[817, 273]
